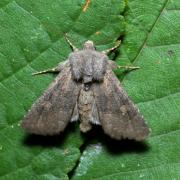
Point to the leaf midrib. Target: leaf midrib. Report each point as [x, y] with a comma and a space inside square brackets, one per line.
[149, 32]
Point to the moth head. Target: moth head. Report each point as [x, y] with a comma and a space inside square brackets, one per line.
[89, 45]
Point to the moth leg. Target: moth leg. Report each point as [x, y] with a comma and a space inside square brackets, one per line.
[113, 48]
[114, 66]
[57, 69]
[71, 44]
[129, 68]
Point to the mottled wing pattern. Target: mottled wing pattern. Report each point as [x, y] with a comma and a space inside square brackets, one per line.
[118, 115]
[53, 110]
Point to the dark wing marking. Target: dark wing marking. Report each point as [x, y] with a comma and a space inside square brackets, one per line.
[53, 110]
[118, 115]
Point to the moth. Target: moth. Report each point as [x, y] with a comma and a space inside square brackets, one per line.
[86, 89]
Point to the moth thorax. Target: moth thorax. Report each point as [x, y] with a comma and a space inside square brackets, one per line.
[87, 78]
[89, 45]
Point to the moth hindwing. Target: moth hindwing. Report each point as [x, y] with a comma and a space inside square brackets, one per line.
[87, 90]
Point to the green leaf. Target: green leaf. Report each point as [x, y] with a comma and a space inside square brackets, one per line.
[151, 41]
[32, 39]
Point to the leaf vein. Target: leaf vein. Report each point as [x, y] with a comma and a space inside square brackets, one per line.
[144, 43]
[137, 170]
[158, 98]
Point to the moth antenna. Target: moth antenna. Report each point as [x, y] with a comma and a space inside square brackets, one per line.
[71, 44]
[113, 48]
[54, 70]
[57, 69]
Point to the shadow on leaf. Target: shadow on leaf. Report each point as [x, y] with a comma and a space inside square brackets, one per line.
[114, 146]
[50, 141]
[96, 135]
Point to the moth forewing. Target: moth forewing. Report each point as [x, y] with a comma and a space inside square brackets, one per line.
[119, 117]
[53, 110]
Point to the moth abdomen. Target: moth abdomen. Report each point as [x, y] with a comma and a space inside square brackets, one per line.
[87, 109]
[85, 105]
